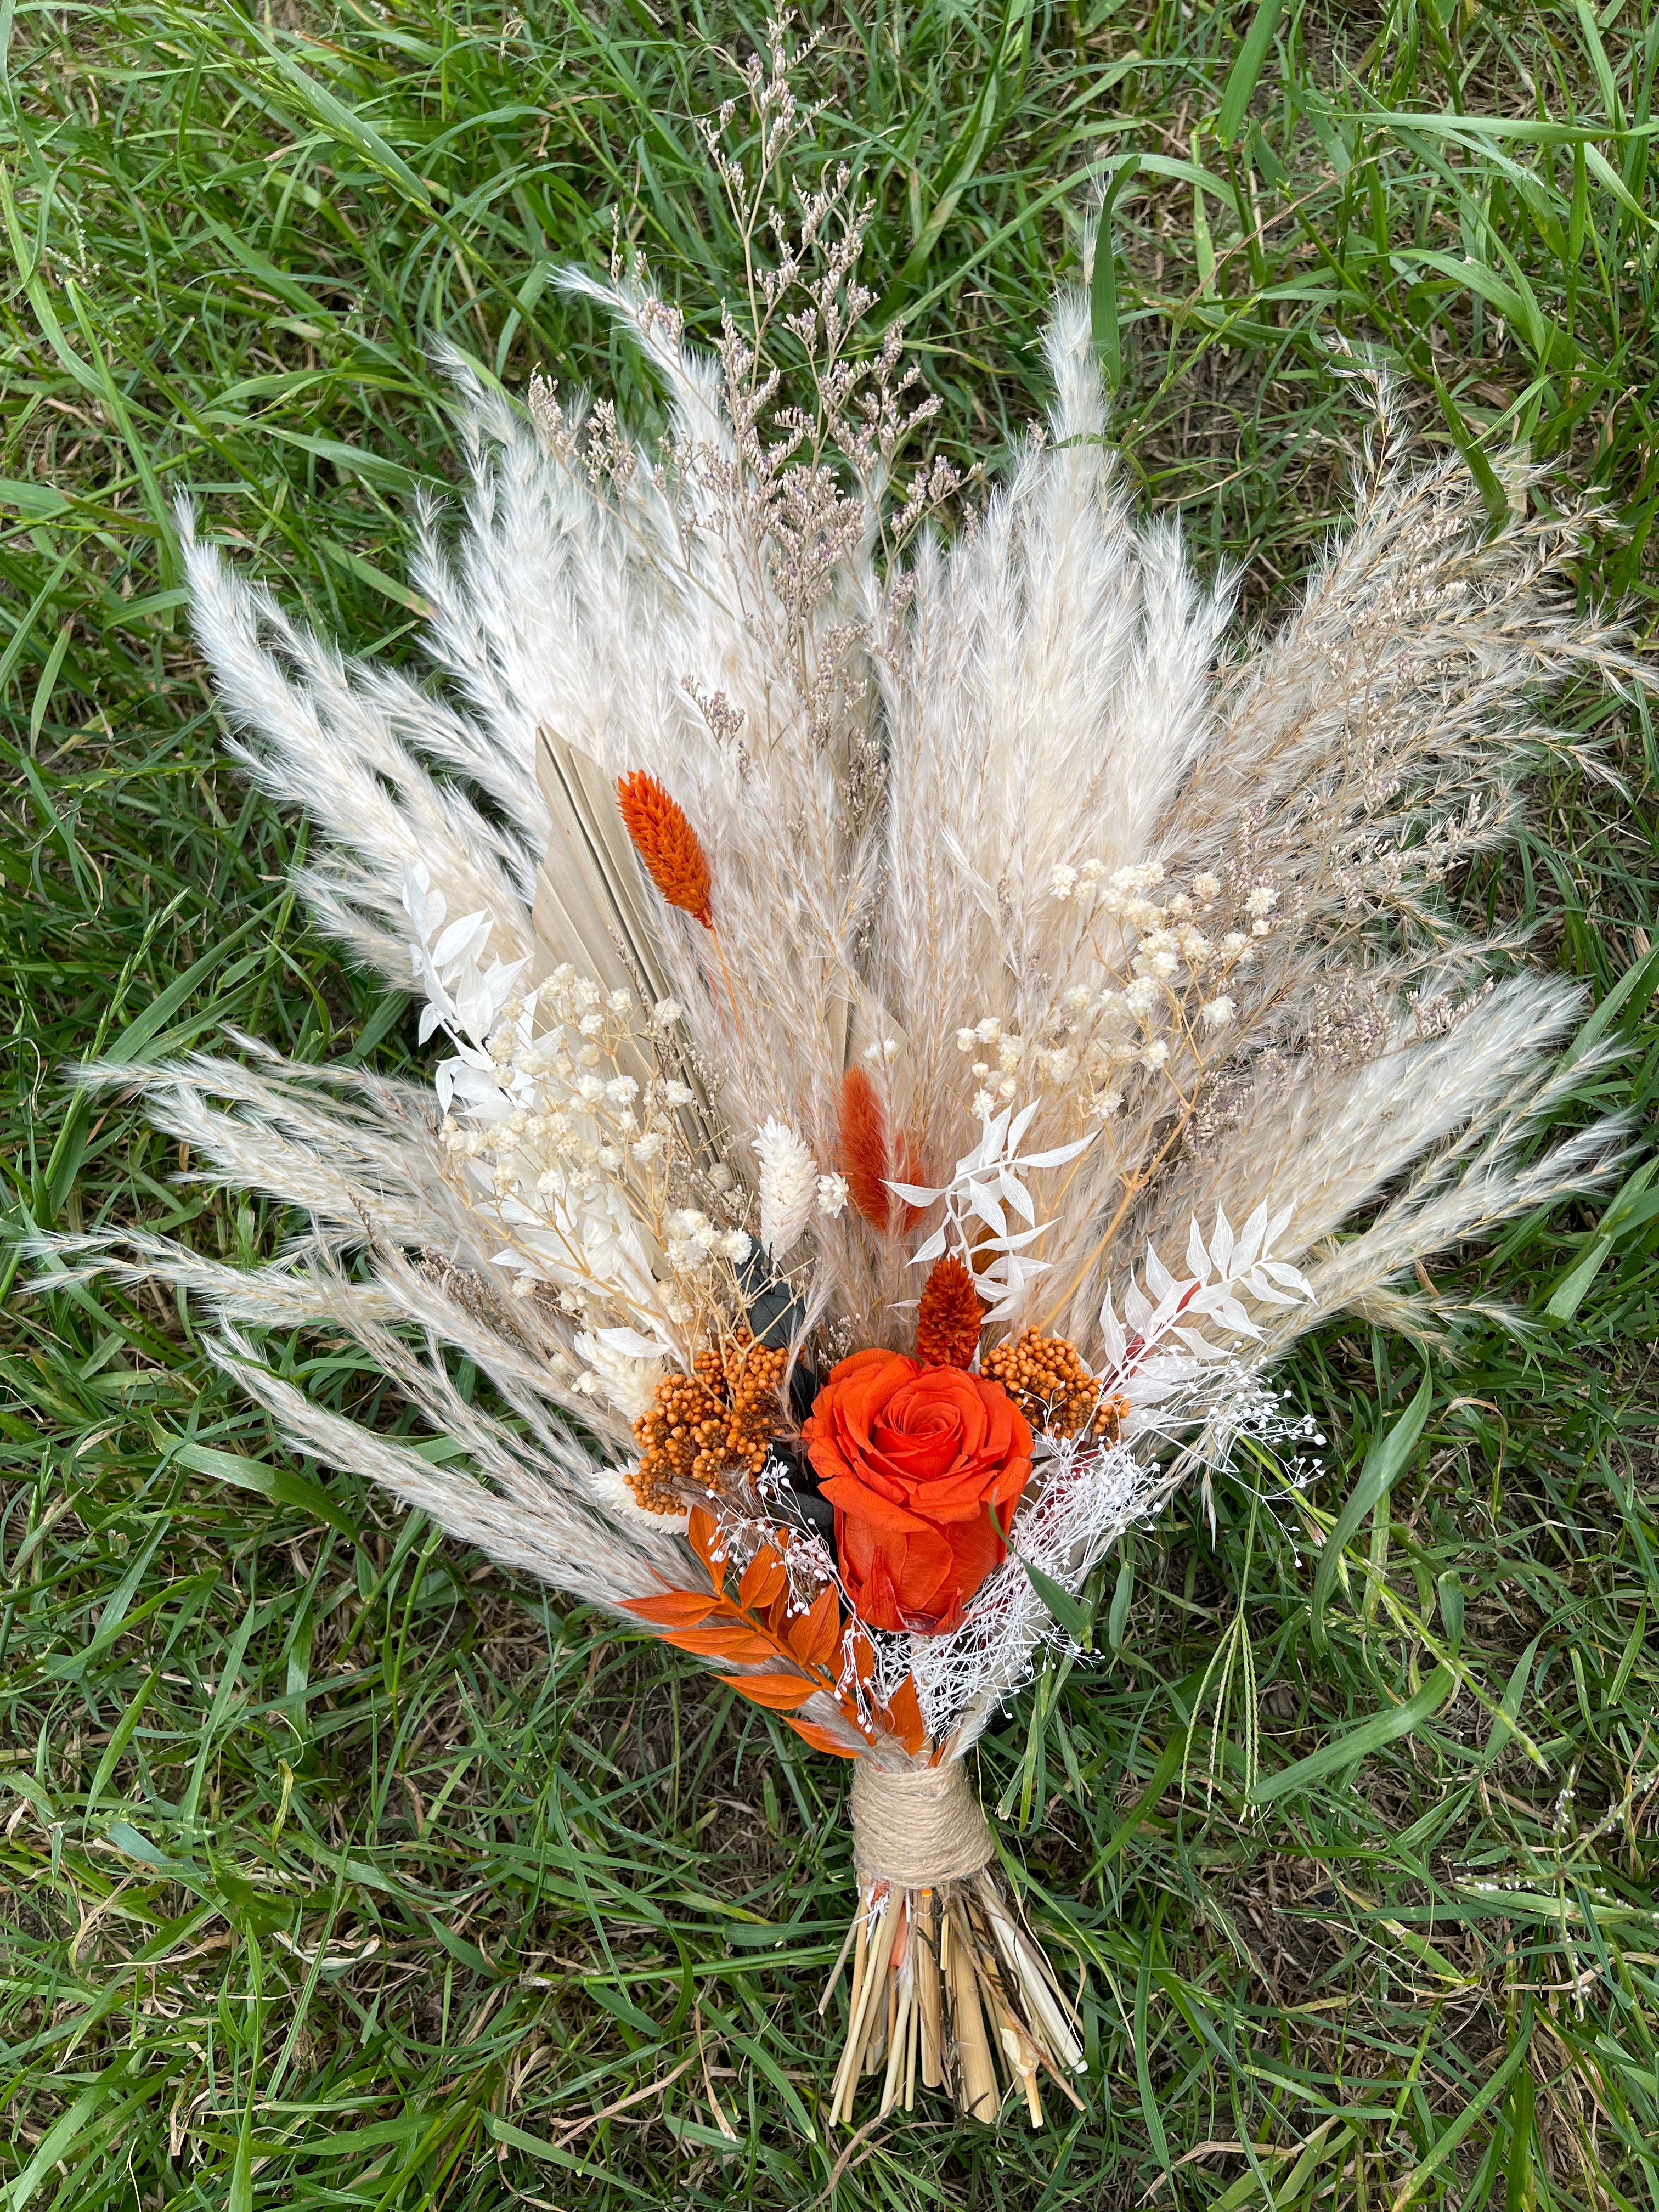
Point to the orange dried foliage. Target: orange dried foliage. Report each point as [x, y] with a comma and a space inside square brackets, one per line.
[1047, 1379]
[778, 1692]
[667, 843]
[903, 1716]
[758, 1627]
[820, 1738]
[813, 1635]
[950, 1315]
[674, 1609]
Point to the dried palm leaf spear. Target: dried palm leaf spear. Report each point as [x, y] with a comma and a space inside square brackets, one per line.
[918, 1019]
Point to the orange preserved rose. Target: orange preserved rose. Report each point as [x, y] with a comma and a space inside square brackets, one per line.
[914, 1459]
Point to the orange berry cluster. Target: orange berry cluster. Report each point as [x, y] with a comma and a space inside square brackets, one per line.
[700, 1427]
[1048, 1381]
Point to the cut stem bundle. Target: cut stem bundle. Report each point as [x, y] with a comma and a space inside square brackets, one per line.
[948, 1986]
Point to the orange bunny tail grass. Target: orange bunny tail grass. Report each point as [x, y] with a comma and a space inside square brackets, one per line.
[667, 843]
[950, 1315]
[864, 1159]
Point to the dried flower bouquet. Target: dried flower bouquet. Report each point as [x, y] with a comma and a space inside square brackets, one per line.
[917, 1015]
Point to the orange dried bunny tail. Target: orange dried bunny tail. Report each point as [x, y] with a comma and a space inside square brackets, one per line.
[864, 1149]
[667, 843]
[867, 1158]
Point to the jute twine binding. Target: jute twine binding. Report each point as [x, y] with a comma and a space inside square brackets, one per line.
[918, 1826]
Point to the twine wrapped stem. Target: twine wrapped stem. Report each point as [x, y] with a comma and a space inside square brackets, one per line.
[947, 1981]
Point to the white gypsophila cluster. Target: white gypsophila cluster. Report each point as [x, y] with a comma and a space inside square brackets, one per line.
[569, 1148]
[1158, 998]
[1082, 1497]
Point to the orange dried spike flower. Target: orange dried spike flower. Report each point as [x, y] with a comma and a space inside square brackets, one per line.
[667, 844]
[950, 1317]
[866, 1159]
[864, 1149]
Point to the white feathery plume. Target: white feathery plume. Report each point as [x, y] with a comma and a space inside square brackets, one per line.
[788, 1187]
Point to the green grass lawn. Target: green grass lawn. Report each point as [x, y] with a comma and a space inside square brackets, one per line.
[341, 1870]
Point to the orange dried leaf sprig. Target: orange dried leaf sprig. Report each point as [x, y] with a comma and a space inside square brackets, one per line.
[1047, 1379]
[667, 843]
[950, 1315]
[793, 1655]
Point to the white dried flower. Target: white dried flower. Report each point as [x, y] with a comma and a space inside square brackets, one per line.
[789, 1185]
[1206, 886]
[626, 1377]
[1218, 1012]
[832, 1194]
[666, 1011]
[983, 1104]
[1105, 1103]
[1263, 900]
[621, 1002]
[1062, 880]
[966, 1040]
[1156, 1054]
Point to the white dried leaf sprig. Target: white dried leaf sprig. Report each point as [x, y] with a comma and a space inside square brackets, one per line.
[1143, 1363]
[462, 1000]
[986, 1184]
